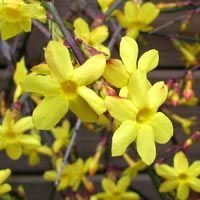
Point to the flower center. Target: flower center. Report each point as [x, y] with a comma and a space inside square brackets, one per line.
[11, 13]
[143, 115]
[68, 89]
[182, 176]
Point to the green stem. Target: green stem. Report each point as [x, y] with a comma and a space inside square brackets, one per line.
[182, 8]
[156, 182]
[114, 6]
[72, 43]
[180, 37]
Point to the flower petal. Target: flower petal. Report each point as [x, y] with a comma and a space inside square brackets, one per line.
[157, 95]
[166, 171]
[138, 87]
[129, 53]
[130, 195]
[168, 185]
[108, 185]
[121, 108]
[99, 35]
[96, 102]
[145, 144]
[9, 30]
[148, 61]
[41, 69]
[43, 85]
[5, 188]
[90, 71]
[8, 121]
[25, 25]
[82, 109]
[194, 184]
[29, 141]
[20, 71]
[162, 128]
[115, 73]
[148, 13]
[81, 30]
[2, 129]
[35, 11]
[50, 175]
[194, 169]
[123, 184]
[4, 174]
[49, 112]
[180, 162]
[14, 151]
[131, 11]
[23, 124]
[183, 191]
[59, 61]
[123, 137]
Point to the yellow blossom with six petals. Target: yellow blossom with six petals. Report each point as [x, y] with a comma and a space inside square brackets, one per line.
[66, 88]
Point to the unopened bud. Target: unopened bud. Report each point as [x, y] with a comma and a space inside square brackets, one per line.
[175, 99]
[88, 184]
[188, 93]
[187, 144]
[107, 91]
[95, 164]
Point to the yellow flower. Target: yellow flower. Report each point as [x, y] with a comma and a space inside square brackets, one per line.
[139, 119]
[61, 135]
[137, 17]
[118, 72]
[117, 190]
[95, 37]
[15, 17]
[4, 187]
[181, 177]
[66, 88]
[12, 137]
[72, 174]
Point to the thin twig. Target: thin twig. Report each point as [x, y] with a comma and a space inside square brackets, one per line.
[65, 159]
[71, 41]
[177, 36]
[182, 8]
[114, 38]
[112, 7]
[42, 29]
[169, 23]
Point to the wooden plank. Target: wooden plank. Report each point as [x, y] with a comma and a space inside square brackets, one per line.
[37, 188]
